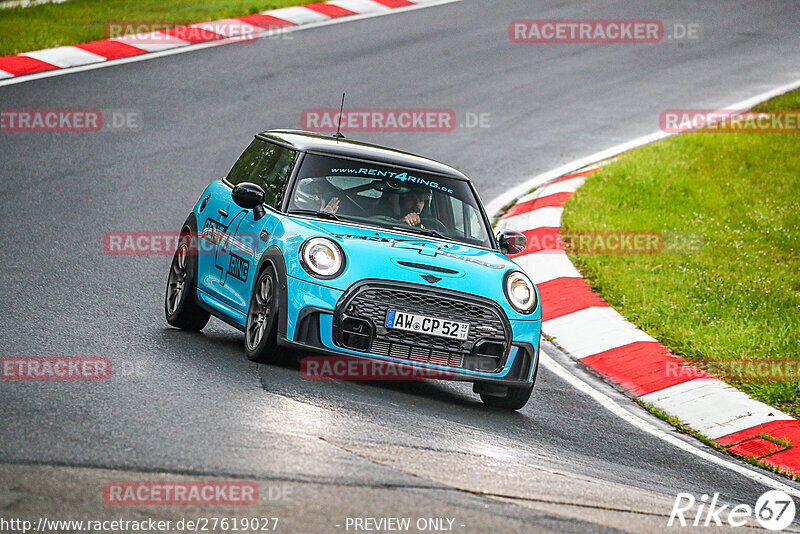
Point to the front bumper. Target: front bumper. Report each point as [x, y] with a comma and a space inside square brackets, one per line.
[314, 319]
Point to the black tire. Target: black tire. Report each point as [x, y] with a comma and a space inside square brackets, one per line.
[515, 399]
[180, 306]
[261, 330]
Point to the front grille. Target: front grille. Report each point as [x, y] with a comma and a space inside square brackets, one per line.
[370, 301]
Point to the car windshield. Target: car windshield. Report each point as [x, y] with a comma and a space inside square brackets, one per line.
[389, 197]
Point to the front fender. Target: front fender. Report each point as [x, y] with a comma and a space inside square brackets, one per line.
[273, 257]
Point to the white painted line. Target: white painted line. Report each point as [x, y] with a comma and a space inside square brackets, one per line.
[151, 41]
[199, 46]
[4, 74]
[645, 426]
[593, 330]
[547, 265]
[542, 217]
[65, 56]
[297, 15]
[713, 408]
[565, 186]
[359, 6]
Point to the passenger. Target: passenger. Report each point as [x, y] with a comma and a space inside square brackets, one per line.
[331, 206]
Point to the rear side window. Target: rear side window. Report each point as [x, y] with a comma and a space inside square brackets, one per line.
[267, 165]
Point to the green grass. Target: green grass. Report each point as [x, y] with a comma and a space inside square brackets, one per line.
[79, 21]
[734, 291]
[785, 443]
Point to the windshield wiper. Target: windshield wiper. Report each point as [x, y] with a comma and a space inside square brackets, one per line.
[322, 214]
[417, 230]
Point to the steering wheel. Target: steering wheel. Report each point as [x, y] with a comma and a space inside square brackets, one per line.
[432, 223]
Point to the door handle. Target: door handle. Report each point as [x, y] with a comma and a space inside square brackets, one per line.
[223, 212]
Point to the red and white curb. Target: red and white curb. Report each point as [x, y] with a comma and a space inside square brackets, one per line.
[589, 330]
[233, 30]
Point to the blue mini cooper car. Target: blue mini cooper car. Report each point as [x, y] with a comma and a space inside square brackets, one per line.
[355, 250]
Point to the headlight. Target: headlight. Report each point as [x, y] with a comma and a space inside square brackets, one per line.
[322, 258]
[520, 292]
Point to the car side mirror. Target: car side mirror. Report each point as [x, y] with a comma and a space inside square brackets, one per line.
[511, 242]
[250, 196]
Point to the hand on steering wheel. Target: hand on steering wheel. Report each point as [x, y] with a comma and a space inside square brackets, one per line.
[412, 219]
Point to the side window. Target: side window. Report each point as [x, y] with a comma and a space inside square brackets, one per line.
[466, 220]
[267, 165]
[458, 216]
[474, 229]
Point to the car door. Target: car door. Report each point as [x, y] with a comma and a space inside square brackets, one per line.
[212, 224]
[233, 263]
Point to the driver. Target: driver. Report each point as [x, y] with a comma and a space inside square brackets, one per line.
[411, 205]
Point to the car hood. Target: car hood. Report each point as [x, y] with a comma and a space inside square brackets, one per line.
[383, 254]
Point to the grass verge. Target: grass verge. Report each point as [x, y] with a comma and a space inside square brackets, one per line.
[78, 21]
[734, 292]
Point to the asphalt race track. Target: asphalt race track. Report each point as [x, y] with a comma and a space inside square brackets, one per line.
[193, 404]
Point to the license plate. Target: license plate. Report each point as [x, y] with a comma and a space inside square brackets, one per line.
[427, 325]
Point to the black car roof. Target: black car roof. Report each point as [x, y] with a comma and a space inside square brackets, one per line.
[327, 144]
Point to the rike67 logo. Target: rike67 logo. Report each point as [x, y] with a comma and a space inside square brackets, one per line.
[774, 510]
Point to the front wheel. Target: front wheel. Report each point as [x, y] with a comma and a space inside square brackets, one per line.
[515, 399]
[180, 307]
[261, 331]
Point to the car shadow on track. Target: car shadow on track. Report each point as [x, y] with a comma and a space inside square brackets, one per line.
[441, 396]
[218, 345]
